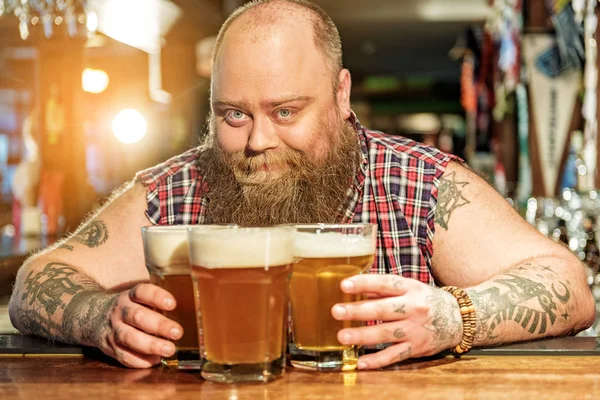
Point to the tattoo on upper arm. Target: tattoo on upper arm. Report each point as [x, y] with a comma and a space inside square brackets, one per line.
[530, 304]
[450, 197]
[93, 235]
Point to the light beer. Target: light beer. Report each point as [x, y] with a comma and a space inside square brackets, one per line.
[325, 257]
[167, 261]
[315, 289]
[242, 276]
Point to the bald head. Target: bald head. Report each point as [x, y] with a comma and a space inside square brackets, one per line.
[260, 19]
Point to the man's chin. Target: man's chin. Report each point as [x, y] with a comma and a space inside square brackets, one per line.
[259, 178]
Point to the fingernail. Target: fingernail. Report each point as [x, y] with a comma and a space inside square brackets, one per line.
[175, 333]
[346, 338]
[347, 285]
[362, 365]
[169, 303]
[168, 350]
[339, 311]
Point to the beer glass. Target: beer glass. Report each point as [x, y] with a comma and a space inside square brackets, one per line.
[326, 255]
[241, 277]
[167, 259]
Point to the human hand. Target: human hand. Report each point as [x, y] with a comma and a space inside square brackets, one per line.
[418, 320]
[135, 334]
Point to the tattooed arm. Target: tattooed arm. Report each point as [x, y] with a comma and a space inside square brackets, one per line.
[523, 285]
[83, 290]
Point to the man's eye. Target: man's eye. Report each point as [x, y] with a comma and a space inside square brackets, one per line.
[284, 113]
[237, 115]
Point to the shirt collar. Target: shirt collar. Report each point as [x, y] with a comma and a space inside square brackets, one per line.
[361, 173]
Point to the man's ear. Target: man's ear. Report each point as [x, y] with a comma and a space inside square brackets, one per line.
[343, 93]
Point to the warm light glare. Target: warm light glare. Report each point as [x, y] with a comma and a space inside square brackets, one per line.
[129, 126]
[92, 21]
[94, 80]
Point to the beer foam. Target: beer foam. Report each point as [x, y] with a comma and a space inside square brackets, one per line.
[242, 248]
[166, 246]
[332, 245]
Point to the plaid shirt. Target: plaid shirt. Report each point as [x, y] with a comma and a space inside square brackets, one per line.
[396, 188]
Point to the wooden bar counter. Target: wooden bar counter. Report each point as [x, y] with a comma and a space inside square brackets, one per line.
[520, 374]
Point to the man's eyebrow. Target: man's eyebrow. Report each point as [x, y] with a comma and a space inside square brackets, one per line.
[231, 103]
[272, 103]
[284, 100]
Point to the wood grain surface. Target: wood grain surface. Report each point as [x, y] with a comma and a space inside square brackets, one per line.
[485, 377]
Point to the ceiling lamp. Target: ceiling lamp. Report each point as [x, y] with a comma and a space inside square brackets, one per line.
[129, 126]
[94, 80]
[74, 14]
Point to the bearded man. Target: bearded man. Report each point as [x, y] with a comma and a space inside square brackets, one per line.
[285, 147]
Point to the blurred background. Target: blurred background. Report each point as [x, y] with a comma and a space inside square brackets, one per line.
[92, 91]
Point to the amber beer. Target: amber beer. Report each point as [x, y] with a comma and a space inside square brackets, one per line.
[167, 260]
[242, 276]
[326, 256]
[180, 286]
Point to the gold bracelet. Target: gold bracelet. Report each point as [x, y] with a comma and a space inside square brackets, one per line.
[469, 318]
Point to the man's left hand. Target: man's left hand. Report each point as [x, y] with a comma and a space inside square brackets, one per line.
[417, 320]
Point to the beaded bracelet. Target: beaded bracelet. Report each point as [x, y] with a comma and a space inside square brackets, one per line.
[467, 312]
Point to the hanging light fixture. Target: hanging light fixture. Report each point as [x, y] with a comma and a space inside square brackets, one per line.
[75, 14]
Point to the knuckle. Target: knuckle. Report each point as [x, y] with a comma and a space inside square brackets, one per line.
[380, 311]
[125, 359]
[164, 327]
[156, 347]
[386, 335]
[422, 308]
[134, 292]
[113, 320]
[141, 291]
[123, 337]
[137, 316]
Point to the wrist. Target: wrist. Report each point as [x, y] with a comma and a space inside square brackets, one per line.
[455, 336]
[467, 316]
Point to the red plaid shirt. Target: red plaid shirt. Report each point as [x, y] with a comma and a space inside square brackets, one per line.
[395, 188]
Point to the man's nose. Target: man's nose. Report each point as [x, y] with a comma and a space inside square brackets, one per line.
[262, 136]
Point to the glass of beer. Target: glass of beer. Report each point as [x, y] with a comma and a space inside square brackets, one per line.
[326, 255]
[241, 277]
[167, 259]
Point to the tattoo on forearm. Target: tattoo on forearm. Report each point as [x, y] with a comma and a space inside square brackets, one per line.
[60, 287]
[530, 304]
[562, 297]
[547, 268]
[450, 197]
[93, 235]
[87, 316]
[46, 288]
[444, 324]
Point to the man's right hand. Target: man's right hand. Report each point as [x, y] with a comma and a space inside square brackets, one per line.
[139, 336]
